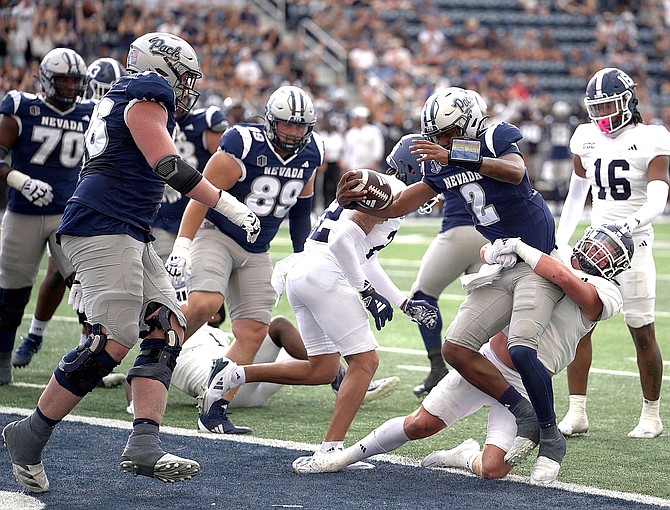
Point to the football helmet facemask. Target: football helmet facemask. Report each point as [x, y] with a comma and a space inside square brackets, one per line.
[102, 74]
[289, 105]
[611, 101]
[62, 76]
[478, 121]
[447, 109]
[172, 58]
[604, 251]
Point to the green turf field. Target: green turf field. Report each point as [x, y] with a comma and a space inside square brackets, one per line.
[603, 458]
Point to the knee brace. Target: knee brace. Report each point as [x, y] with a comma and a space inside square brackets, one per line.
[12, 304]
[158, 356]
[81, 369]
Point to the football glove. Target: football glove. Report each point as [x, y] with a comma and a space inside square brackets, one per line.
[76, 297]
[179, 261]
[252, 226]
[170, 195]
[378, 306]
[502, 251]
[38, 192]
[421, 312]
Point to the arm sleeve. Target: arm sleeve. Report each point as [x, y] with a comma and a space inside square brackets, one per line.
[657, 197]
[343, 246]
[382, 282]
[300, 222]
[572, 209]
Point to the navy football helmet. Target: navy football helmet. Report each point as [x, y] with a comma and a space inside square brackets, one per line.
[610, 100]
[604, 251]
[402, 163]
[291, 105]
[63, 76]
[102, 74]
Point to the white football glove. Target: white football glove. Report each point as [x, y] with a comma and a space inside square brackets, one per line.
[170, 195]
[76, 297]
[179, 261]
[503, 252]
[40, 193]
[252, 226]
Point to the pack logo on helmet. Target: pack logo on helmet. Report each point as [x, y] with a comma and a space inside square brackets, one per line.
[158, 46]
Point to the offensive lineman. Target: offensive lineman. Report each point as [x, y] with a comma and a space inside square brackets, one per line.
[105, 232]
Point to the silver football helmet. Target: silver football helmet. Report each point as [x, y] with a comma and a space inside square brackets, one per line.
[291, 105]
[604, 251]
[172, 58]
[611, 101]
[447, 109]
[478, 121]
[102, 74]
[63, 76]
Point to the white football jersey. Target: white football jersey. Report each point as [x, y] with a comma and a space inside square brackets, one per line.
[567, 326]
[617, 167]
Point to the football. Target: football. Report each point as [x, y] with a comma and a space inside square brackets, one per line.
[378, 188]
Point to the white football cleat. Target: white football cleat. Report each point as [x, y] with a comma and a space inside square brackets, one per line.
[545, 471]
[218, 384]
[521, 448]
[331, 462]
[574, 424]
[647, 429]
[381, 388]
[456, 457]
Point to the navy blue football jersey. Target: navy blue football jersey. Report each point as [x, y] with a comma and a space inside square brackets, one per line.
[118, 192]
[454, 214]
[499, 209]
[50, 147]
[191, 142]
[269, 185]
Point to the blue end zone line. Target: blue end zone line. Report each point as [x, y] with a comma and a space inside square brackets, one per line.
[392, 459]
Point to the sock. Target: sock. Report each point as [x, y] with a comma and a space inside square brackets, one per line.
[651, 409]
[436, 360]
[38, 327]
[239, 377]
[331, 446]
[385, 438]
[38, 418]
[470, 461]
[510, 398]
[143, 421]
[7, 337]
[577, 404]
[537, 381]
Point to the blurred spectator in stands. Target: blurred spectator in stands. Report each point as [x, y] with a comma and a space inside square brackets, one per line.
[432, 41]
[361, 59]
[585, 7]
[363, 142]
[17, 44]
[248, 72]
[41, 41]
[330, 172]
[470, 39]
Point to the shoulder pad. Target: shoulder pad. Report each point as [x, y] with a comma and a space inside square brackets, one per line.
[152, 87]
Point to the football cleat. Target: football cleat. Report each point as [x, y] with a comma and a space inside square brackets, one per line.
[330, 462]
[434, 377]
[574, 424]
[24, 353]
[216, 419]
[381, 388]
[456, 457]
[30, 476]
[647, 429]
[112, 380]
[169, 468]
[521, 448]
[545, 471]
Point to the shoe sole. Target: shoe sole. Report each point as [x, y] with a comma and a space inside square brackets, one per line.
[387, 386]
[168, 470]
[516, 455]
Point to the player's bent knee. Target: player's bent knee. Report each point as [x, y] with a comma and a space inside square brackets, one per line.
[494, 470]
[12, 304]
[81, 369]
[158, 356]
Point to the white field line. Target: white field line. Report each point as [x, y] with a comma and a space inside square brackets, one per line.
[290, 445]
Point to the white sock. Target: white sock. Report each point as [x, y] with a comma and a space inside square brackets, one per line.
[470, 459]
[239, 377]
[331, 446]
[651, 409]
[38, 327]
[577, 404]
[385, 438]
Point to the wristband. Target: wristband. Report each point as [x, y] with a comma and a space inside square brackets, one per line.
[16, 179]
[466, 153]
[529, 254]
